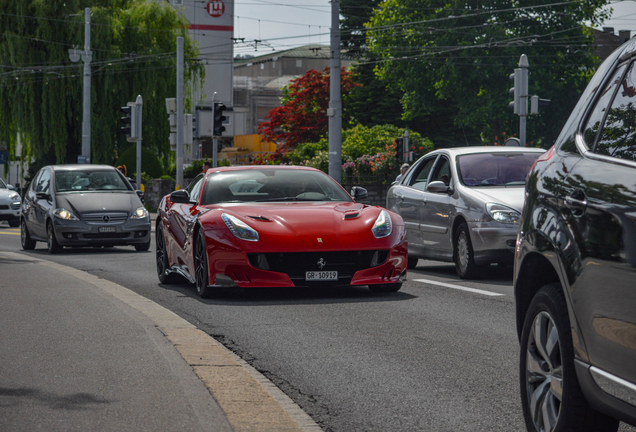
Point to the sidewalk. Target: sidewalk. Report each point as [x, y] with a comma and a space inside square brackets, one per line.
[82, 353]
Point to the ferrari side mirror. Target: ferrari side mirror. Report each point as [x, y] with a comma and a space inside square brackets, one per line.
[181, 197]
[359, 193]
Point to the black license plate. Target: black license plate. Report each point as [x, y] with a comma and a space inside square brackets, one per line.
[106, 229]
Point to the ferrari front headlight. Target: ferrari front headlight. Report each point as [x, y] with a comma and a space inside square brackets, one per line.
[64, 214]
[503, 214]
[383, 226]
[239, 228]
[140, 213]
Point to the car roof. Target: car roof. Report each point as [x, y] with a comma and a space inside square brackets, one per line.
[80, 167]
[458, 151]
[263, 167]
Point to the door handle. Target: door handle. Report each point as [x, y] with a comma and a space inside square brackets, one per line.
[577, 202]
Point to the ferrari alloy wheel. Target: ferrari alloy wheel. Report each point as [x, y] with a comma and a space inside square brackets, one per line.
[25, 238]
[463, 254]
[386, 288]
[201, 267]
[165, 277]
[52, 244]
[550, 392]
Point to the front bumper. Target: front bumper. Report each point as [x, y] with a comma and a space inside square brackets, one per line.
[80, 233]
[493, 242]
[9, 211]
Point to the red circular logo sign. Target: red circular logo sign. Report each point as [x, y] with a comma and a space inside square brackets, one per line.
[216, 8]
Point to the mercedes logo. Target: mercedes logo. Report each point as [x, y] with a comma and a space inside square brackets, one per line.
[106, 218]
[321, 263]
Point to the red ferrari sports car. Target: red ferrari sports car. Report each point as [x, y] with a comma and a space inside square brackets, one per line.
[277, 226]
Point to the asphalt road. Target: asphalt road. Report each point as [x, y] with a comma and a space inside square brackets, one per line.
[440, 355]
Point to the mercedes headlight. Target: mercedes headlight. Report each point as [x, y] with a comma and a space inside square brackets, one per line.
[383, 225]
[140, 213]
[239, 228]
[503, 214]
[64, 214]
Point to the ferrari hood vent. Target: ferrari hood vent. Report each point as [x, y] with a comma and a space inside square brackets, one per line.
[260, 218]
[351, 215]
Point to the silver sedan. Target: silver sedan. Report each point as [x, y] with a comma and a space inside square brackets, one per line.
[463, 205]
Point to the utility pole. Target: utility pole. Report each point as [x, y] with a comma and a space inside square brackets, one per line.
[87, 56]
[179, 113]
[335, 103]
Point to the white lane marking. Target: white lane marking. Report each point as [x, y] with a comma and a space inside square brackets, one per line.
[474, 290]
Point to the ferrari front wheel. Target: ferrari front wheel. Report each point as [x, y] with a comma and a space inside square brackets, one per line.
[201, 267]
[164, 275]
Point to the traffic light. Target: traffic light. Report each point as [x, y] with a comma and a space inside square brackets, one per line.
[129, 121]
[399, 149]
[520, 91]
[188, 128]
[218, 118]
[536, 104]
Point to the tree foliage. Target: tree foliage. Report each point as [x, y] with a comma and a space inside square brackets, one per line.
[133, 44]
[302, 117]
[452, 60]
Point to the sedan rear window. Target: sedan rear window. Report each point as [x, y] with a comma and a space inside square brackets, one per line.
[495, 169]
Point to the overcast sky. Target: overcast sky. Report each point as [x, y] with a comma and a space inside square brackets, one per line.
[286, 24]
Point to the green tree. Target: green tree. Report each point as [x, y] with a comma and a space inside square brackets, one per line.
[303, 115]
[373, 102]
[452, 60]
[133, 44]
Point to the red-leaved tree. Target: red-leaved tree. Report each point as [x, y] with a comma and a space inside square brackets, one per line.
[303, 116]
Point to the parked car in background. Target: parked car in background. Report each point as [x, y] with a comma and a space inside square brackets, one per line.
[462, 205]
[83, 205]
[575, 266]
[276, 226]
[10, 203]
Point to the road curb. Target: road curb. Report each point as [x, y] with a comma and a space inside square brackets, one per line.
[248, 399]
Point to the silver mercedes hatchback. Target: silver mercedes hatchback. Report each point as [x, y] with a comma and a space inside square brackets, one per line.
[83, 205]
[463, 205]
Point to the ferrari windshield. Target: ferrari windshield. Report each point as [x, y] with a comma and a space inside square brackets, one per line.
[81, 181]
[271, 185]
[495, 169]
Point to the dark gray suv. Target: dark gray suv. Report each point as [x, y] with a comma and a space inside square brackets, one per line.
[575, 263]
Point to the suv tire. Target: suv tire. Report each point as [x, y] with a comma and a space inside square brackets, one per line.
[550, 393]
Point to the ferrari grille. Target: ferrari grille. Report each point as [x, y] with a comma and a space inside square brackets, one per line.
[295, 265]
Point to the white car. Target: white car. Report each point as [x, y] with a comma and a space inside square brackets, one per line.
[10, 203]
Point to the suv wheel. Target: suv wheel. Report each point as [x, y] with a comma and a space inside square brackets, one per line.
[550, 393]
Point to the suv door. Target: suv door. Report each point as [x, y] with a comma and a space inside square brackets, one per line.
[601, 208]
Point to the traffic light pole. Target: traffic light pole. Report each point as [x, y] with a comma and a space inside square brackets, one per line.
[139, 105]
[179, 113]
[335, 102]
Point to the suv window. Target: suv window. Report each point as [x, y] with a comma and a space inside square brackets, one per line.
[590, 132]
[618, 136]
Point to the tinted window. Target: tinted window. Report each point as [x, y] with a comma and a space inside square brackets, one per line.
[255, 185]
[419, 177]
[618, 136]
[194, 188]
[44, 182]
[442, 171]
[495, 169]
[596, 117]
